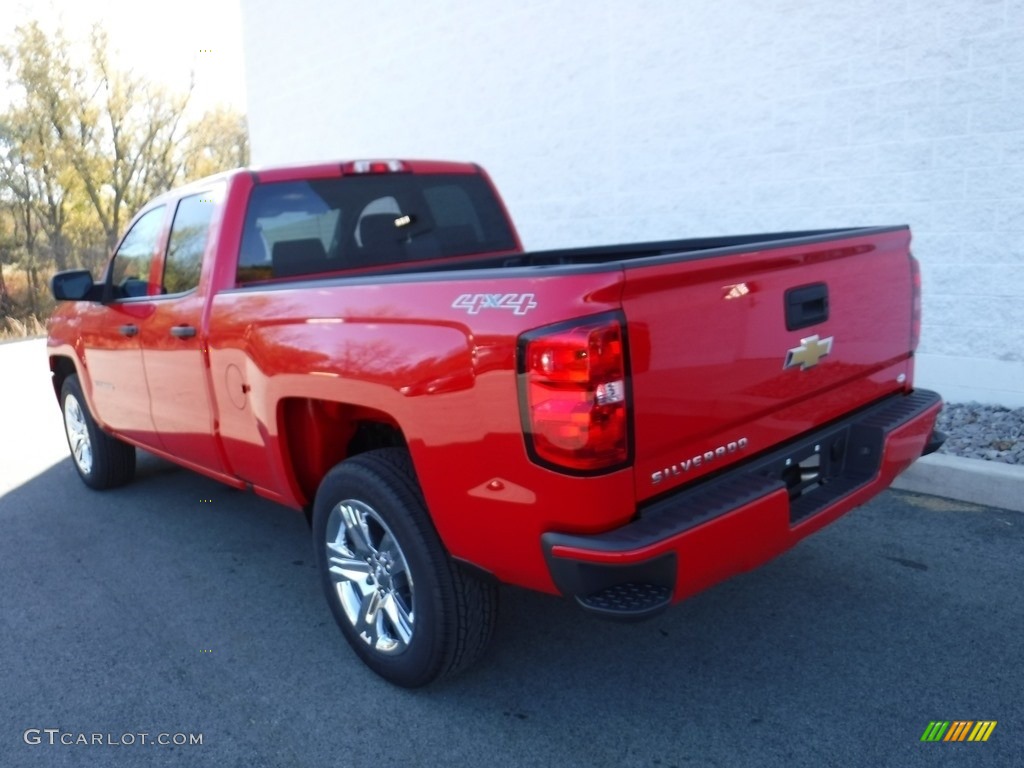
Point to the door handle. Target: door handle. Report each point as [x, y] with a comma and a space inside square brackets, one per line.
[183, 331]
[129, 330]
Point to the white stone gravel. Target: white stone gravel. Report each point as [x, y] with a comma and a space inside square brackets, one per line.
[979, 431]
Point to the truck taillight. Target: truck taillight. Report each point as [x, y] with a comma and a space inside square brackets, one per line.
[915, 313]
[574, 396]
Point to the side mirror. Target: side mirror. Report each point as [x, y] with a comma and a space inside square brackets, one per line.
[73, 285]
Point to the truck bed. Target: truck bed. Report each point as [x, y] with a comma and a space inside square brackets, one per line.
[628, 254]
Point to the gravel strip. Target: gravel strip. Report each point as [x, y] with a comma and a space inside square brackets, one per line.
[983, 432]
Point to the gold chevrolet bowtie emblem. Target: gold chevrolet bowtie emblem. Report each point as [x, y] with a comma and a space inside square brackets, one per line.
[809, 353]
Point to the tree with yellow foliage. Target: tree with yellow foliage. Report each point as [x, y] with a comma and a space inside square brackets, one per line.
[84, 145]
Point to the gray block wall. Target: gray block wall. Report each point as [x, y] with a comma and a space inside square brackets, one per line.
[614, 121]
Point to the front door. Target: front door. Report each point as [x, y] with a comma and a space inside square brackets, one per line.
[111, 333]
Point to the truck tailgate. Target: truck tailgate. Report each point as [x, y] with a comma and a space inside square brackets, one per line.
[737, 351]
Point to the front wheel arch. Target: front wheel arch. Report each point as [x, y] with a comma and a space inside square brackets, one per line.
[101, 460]
[60, 368]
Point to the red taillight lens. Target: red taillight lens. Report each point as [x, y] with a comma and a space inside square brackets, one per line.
[915, 315]
[573, 395]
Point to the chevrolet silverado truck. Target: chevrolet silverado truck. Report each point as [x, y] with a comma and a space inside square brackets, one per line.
[369, 343]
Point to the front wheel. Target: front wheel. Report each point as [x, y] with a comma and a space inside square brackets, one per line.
[410, 612]
[102, 461]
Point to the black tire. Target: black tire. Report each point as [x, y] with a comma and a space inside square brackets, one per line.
[102, 461]
[432, 618]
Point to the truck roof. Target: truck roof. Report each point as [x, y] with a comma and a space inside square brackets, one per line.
[337, 168]
[320, 170]
[361, 166]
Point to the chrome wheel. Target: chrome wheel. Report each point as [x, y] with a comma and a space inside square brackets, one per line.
[372, 536]
[78, 434]
[370, 576]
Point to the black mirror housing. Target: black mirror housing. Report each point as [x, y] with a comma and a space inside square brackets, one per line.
[74, 285]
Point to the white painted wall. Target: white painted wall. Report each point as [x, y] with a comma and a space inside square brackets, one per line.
[621, 120]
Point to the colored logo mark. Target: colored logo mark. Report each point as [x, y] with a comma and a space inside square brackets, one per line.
[959, 730]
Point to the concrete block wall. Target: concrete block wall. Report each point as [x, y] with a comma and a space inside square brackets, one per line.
[624, 120]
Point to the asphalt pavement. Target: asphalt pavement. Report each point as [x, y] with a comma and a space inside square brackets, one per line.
[177, 607]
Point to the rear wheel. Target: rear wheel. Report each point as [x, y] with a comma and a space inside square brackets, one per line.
[409, 611]
[102, 461]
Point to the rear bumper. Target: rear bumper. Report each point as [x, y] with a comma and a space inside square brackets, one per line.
[689, 540]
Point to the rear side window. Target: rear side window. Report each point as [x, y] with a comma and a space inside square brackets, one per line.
[189, 232]
[332, 225]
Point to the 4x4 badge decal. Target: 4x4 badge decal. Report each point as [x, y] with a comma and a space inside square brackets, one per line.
[519, 303]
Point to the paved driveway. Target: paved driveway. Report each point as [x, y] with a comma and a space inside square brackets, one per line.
[178, 606]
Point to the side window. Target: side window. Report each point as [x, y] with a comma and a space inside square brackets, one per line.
[189, 232]
[130, 270]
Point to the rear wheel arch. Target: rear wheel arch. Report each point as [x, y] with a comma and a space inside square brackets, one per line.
[316, 435]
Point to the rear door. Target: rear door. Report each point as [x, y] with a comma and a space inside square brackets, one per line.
[173, 343]
[733, 354]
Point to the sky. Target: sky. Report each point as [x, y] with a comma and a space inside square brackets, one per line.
[161, 41]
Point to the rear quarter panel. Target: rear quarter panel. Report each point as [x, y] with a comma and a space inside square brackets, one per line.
[444, 374]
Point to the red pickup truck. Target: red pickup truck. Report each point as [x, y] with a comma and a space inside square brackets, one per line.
[369, 343]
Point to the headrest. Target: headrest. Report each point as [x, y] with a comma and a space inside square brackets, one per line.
[298, 257]
[378, 229]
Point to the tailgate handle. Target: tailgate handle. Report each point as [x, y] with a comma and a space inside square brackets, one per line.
[806, 305]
